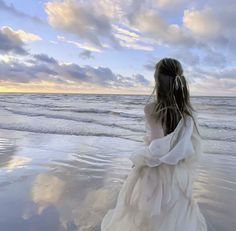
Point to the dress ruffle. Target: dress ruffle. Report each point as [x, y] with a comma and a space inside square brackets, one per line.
[157, 194]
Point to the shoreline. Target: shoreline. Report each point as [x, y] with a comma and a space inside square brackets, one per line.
[87, 172]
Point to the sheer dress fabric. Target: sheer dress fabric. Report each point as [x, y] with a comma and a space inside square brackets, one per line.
[157, 194]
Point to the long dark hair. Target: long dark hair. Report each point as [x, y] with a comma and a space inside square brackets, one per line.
[172, 95]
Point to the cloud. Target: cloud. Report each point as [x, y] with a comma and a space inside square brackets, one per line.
[20, 34]
[206, 35]
[205, 81]
[169, 4]
[82, 20]
[11, 42]
[214, 86]
[141, 80]
[84, 45]
[96, 24]
[16, 71]
[86, 54]
[215, 58]
[152, 25]
[45, 58]
[221, 73]
[186, 56]
[131, 39]
[143, 25]
[26, 36]
[12, 10]
[44, 68]
[215, 25]
[14, 41]
[200, 34]
[202, 22]
[183, 55]
[150, 65]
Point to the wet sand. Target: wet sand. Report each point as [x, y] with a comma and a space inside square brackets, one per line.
[58, 182]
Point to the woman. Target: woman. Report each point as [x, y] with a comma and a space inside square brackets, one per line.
[157, 194]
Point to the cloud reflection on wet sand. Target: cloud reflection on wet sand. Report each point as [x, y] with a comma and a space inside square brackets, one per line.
[72, 187]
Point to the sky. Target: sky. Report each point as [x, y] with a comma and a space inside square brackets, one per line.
[112, 46]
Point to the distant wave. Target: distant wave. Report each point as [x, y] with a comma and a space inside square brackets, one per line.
[85, 110]
[59, 131]
[53, 131]
[218, 126]
[221, 138]
[31, 105]
[89, 110]
[64, 117]
[219, 153]
[101, 111]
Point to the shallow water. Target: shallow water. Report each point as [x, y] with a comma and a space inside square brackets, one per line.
[64, 158]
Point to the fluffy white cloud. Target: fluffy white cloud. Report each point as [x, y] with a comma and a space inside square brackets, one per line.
[82, 20]
[199, 34]
[142, 25]
[25, 36]
[14, 41]
[95, 24]
[152, 25]
[214, 25]
[202, 22]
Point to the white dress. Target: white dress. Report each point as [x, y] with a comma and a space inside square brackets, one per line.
[157, 194]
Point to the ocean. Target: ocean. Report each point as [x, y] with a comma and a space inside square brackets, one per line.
[64, 157]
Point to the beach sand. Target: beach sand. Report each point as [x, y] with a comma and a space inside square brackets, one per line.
[65, 182]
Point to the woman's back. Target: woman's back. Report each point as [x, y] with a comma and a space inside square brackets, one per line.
[157, 194]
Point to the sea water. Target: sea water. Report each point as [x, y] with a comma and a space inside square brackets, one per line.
[64, 157]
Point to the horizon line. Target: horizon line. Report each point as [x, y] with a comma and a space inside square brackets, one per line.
[87, 93]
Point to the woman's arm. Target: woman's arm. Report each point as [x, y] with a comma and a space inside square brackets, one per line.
[164, 151]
